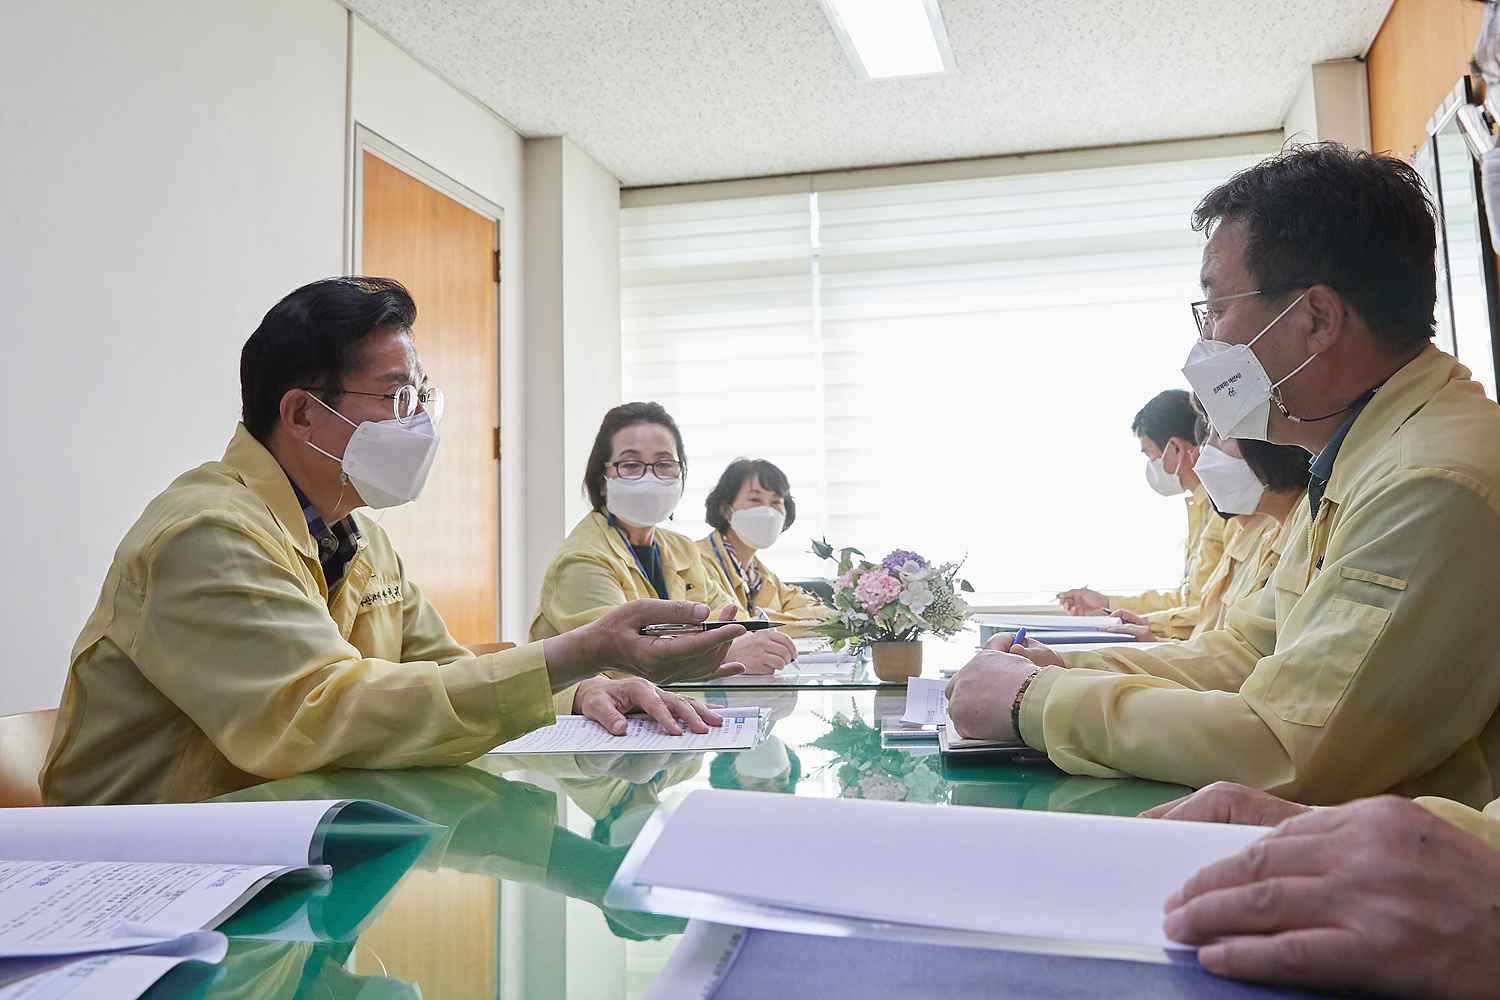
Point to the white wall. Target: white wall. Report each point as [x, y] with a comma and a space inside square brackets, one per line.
[1333, 103]
[572, 333]
[169, 171]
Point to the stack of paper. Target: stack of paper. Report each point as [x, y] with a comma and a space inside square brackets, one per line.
[114, 896]
[1039, 880]
[580, 734]
[1048, 623]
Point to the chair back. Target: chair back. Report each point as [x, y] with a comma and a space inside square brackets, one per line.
[24, 740]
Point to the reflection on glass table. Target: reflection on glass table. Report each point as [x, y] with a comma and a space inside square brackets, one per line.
[506, 900]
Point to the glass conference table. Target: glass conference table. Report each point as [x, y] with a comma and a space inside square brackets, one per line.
[506, 901]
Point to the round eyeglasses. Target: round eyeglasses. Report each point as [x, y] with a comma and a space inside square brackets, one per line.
[405, 401]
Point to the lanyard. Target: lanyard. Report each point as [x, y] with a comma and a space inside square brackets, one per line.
[719, 549]
[655, 557]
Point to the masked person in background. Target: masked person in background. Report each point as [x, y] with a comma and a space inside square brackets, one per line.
[1165, 428]
[1254, 486]
[620, 552]
[255, 625]
[749, 509]
[1370, 661]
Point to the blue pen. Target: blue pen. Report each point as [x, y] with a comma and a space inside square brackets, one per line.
[1020, 639]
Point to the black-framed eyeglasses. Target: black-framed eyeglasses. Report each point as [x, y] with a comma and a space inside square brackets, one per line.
[667, 468]
[1206, 312]
[405, 401]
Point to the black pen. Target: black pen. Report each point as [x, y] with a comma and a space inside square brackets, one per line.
[656, 631]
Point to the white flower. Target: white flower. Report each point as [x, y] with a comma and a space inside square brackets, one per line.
[917, 596]
[879, 785]
[913, 571]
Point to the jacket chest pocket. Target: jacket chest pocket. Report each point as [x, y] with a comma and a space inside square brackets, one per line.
[1308, 681]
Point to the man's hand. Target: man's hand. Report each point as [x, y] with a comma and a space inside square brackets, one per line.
[1134, 625]
[1082, 601]
[607, 702]
[1379, 895]
[763, 652]
[1226, 802]
[981, 694]
[614, 642]
[1039, 653]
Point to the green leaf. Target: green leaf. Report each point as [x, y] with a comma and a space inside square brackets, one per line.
[966, 586]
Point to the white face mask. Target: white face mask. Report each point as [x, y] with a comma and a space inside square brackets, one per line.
[387, 461]
[644, 502]
[1168, 484]
[1233, 386]
[1230, 484]
[760, 526]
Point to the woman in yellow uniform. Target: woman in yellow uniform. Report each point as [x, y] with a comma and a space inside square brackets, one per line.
[1255, 486]
[619, 552]
[749, 509]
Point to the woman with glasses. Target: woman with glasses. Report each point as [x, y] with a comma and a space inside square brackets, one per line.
[749, 509]
[619, 552]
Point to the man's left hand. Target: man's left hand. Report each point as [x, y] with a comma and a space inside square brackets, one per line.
[981, 694]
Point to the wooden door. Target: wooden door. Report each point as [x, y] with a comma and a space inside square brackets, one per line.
[444, 253]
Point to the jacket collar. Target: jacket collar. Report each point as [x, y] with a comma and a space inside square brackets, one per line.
[258, 469]
[1402, 396]
[622, 551]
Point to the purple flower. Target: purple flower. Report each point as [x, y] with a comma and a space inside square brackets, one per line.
[898, 559]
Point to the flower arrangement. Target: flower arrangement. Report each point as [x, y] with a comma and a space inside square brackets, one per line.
[895, 600]
[865, 771]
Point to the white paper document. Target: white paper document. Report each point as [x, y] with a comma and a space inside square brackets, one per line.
[1079, 879]
[72, 907]
[579, 734]
[926, 704]
[116, 975]
[1046, 623]
[239, 833]
[817, 650]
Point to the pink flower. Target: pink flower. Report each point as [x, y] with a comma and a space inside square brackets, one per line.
[844, 582]
[876, 589]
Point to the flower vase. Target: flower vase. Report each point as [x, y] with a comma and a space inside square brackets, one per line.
[896, 661]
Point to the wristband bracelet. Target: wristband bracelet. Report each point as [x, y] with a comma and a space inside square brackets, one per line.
[1015, 706]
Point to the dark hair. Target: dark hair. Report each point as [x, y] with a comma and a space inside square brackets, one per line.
[616, 420]
[1169, 415]
[1360, 223]
[1277, 466]
[310, 339]
[735, 474]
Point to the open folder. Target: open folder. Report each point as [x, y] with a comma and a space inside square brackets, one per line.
[1036, 880]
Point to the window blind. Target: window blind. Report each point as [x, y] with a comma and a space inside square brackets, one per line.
[949, 367]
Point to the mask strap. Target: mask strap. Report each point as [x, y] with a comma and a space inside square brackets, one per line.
[351, 423]
[1267, 326]
[320, 451]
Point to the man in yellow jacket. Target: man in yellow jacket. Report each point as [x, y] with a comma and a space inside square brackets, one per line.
[1370, 662]
[1166, 429]
[254, 626]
